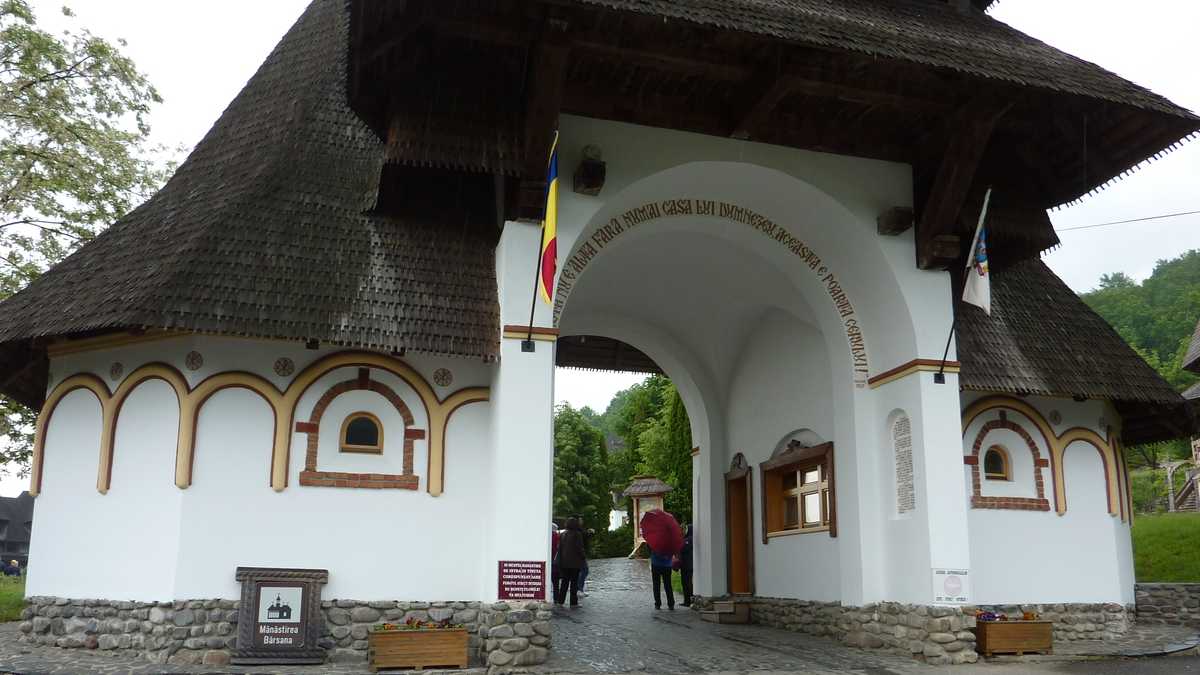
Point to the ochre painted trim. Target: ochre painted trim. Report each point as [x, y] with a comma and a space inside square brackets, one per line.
[190, 415]
[539, 334]
[914, 366]
[64, 347]
[112, 410]
[282, 403]
[1057, 445]
[537, 330]
[437, 432]
[81, 381]
[376, 449]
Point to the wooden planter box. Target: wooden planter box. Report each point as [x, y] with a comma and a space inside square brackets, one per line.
[420, 649]
[1014, 637]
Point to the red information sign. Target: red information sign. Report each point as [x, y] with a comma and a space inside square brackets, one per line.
[522, 580]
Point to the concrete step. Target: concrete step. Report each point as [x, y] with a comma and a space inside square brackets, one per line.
[727, 612]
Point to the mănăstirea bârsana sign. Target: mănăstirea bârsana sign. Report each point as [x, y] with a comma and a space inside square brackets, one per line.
[280, 616]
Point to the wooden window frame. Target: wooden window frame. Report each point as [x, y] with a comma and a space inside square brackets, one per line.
[360, 449]
[798, 459]
[1005, 457]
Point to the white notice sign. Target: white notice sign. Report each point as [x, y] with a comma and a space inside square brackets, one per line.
[951, 587]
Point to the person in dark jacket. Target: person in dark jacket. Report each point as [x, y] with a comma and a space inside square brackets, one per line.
[660, 572]
[685, 567]
[571, 557]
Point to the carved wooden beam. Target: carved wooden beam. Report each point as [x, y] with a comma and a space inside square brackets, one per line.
[769, 92]
[970, 131]
[544, 95]
[895, 221]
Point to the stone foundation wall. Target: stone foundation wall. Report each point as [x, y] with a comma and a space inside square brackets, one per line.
[936, 635]
[1077, 621]
[502, 635]
[1168, 604]
[514, 634]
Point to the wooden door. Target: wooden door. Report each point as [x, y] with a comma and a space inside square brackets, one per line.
[739, 529]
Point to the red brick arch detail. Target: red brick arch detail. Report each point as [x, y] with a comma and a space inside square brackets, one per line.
[978, 501]
[314, 478]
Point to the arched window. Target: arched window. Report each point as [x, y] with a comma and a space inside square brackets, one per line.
[362, 432]
[996, 465]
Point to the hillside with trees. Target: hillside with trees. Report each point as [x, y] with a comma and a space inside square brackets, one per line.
[1157, 318]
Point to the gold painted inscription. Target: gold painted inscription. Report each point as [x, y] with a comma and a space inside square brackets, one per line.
[635, 217]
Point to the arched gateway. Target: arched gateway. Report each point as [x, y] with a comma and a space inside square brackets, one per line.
[311, 350]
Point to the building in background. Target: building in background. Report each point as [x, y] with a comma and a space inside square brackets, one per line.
[16, 524]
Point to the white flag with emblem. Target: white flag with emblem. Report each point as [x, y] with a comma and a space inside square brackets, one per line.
[978, 288]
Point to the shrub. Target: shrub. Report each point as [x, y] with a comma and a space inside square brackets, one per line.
[612, 544]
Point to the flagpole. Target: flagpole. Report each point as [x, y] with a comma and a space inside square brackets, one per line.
[940, 376]
[527, 345]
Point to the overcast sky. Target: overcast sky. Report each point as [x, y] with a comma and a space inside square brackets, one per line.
[199, 54]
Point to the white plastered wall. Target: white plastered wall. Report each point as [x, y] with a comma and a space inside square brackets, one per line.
[1082, 556]
[699, 302]
[148, 540]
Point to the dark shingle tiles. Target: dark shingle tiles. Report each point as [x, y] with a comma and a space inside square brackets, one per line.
[261, 233]
[1043, 339]
[927, 32]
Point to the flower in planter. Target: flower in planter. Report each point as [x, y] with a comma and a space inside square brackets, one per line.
[414, 624]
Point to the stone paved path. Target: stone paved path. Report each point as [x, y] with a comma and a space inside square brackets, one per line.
[617, 630]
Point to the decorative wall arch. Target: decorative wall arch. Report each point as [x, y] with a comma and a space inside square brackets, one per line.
[190, 414]
[282, 403]
[978, 500]
[1056, 443]
[152, 371]
[73, 383]
[1106, 456]
[313, 477]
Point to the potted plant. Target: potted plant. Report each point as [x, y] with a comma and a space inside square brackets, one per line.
[417, 644]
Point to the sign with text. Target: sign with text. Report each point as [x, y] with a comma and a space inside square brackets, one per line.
[951, 587]
[522, 580]
[279, 620]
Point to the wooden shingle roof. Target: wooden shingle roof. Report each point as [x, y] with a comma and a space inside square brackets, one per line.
[262, 232]
[1042, 339]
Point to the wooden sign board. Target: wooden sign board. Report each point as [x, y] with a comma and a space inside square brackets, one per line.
[280, 616]
[522, 580]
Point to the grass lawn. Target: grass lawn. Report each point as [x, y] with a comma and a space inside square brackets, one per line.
[1165, 547]
[12, 598]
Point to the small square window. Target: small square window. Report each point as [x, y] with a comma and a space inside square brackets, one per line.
[791, 513]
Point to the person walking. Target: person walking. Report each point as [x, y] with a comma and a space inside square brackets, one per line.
[685, 566]
[660, 572]
[583, 572]
[571, 558]
[554, 537]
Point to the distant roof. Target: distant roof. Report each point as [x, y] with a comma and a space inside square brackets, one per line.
[1192, 360]
[1042, 339]
[17, 511]
[646, 485]
[262, 232]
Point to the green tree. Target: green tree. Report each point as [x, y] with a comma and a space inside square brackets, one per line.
[74, 157]
[581, 480]
[666, 450]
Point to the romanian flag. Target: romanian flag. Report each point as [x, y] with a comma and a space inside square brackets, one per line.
[549, 252]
